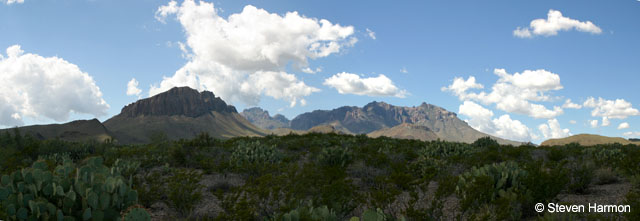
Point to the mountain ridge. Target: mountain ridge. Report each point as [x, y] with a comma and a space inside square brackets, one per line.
[380, 117]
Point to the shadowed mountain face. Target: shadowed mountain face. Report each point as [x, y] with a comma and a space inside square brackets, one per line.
[379, 116]
[178, 113]
[261, 118]
[79, 130]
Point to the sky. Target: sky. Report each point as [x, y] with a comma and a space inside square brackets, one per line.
[522, 70]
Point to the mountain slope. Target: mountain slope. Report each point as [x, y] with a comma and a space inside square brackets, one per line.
[79, 130]
[261, 118]
[406, 131]
[379, 115]
[178, 113]
[587, 140]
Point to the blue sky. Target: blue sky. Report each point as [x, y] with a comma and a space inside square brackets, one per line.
[590, 49]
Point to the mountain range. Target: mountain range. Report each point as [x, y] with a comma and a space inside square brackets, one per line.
[424, 122]
[183, 113]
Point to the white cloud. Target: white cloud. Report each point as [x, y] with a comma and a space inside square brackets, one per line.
[403, 70]
[371, 34]
[479, 117]
[44, 87]
[308, 70]
[347, 83]
[593, 123]
[226, 53]
[14, 1]
[605, 121]
[504, 126]
[618, 109]
[513, 93]
[623, 125]
[522, 32]
[132, 88]
[279, 85]
[632, 134]
[569, 104]
[552, 130]
[555, 22]
[573, 122]
[460, 86]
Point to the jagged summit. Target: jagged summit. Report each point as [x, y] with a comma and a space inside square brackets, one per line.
[183, 101]
[262, 119]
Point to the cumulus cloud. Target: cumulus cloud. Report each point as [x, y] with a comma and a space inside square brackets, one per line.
[571, 105]
[348, 83]
[513, 93]
[618, 109]
[573, 122]
[227, 53]
[132, 88]
[371, 34]
[593, 123]
[403, 70]
[480, 119]
[459, 87]
[14, 1]
[605, 121]
[308, 70]
[632, 134]
[279, 85]
[555, 22]
[44, 88]
[623, 125]
[552, 130]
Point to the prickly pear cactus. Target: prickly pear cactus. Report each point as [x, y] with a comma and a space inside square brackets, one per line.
[68, 192]
[254, 153]
[136, 214]
[504, 179]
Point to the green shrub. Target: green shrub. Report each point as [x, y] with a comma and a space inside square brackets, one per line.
[543, 185]
[185, 190]
[151, 188]
[488, 183]
[335, 156]
[633, 200]
[605, 176]
[581, 177]
[94, 192]
[556, 154]
[485, 142]
[309, 212]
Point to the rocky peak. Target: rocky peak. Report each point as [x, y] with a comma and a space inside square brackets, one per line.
[178, 101]
[262, 119]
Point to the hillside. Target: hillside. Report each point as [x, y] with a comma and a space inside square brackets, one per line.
[406, 131]
[588, 140]
[179, 113]
[79, 130]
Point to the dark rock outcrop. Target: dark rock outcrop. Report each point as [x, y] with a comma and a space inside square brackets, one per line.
[182, 101]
